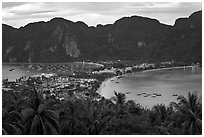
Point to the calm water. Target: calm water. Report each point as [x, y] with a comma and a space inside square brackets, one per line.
[15, 71]
[164, 82]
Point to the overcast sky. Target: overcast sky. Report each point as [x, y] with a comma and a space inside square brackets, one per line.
[19, 14]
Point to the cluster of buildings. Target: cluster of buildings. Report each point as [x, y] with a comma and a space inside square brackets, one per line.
[82, 84]
[120, 71]
[59, 87]
[135, 68]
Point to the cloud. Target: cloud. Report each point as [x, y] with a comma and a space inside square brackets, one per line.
[27, 8]
[11, 4]
[92, 13]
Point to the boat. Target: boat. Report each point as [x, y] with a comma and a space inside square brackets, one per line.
[11, 69]
[175, 95]
[139, 94]
[116, 82]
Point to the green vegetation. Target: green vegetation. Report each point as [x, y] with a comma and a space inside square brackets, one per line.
[25, 111]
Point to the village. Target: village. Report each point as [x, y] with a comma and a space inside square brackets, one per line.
[79, 84]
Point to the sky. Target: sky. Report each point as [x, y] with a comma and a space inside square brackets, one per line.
[19, 14]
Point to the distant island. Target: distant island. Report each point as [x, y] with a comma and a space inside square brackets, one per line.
[129, 38]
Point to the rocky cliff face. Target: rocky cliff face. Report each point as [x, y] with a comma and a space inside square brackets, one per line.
[130, 38]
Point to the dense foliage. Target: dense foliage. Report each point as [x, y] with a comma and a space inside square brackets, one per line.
[27, 112]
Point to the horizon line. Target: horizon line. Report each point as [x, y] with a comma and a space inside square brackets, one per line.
[59, 17]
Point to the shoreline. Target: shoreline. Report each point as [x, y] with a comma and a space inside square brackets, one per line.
[108, 78]
[97, 88]
[169, 68]
[25, 63]
[150, 70]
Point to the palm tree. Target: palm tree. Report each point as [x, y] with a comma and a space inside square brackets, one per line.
[119, 99]
[158, 117]
[38, 120]
[161, 113]
[104, 112]
[190, 110]
[73, 118]
[111, 111]
[11, 123]
[128, 124]
[133, 108]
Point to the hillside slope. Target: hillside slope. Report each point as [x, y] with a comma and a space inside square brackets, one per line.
[129, 38]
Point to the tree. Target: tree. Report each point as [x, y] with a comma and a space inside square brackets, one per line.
[133, 108]
[73, 118]
[38, 120]
[119, 99]
[11, 123]
[158, 117]
[160, 113]
[190, 109]
[127, 125]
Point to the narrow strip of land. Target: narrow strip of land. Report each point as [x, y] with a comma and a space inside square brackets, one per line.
[169, 68]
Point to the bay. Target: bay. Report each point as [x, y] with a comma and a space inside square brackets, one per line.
[147, 88]
[155, 87]
[17, 70]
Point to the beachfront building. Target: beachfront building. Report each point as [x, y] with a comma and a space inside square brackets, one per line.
[128, 69]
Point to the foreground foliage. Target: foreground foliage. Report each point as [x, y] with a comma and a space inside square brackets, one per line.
[27, 112]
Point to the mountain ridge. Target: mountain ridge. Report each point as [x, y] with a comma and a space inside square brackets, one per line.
[129, 38]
